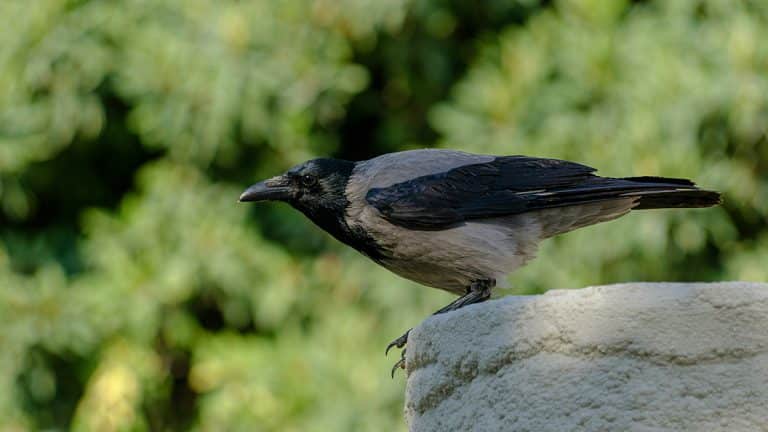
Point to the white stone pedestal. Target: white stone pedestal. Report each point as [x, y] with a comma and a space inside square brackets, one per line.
[631, 357]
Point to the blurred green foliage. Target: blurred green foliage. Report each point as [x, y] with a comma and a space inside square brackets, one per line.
[136, 294]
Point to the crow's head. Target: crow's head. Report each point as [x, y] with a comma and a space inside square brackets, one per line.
[315, 187]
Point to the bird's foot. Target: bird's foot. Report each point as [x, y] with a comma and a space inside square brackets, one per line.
[399, 364]
[400, 343]
[479, 291]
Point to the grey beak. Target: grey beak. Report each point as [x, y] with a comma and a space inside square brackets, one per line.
[275, 189]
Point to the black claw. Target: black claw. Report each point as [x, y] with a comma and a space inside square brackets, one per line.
[399, 342]
[389, 347]
[400, 364]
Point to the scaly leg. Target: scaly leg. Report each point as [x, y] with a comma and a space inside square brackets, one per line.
[478, 292]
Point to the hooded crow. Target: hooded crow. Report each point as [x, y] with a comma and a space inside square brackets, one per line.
[461, 222]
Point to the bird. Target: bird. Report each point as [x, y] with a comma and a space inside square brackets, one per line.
[458, 221]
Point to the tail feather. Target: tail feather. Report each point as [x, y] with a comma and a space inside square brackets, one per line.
[693, 198]
[609, 198]
[681, 193]
[661, 180]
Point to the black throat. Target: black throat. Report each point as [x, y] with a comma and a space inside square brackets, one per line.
[328, 211]
[336, 225]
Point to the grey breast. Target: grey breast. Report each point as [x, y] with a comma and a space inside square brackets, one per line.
[448, 259]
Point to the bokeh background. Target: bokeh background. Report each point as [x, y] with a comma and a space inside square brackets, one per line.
[137, 294]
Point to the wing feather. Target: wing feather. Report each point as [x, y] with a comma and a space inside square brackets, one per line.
[505, 186]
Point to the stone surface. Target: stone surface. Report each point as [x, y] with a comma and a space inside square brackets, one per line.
[639, 357]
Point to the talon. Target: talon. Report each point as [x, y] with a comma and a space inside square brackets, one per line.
[399, 342]
[400, 364]
[389, 347]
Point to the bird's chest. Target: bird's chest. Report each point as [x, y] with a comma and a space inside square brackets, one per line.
[448, 259]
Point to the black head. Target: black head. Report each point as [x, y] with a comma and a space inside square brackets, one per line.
[315, 187]
[318, 189]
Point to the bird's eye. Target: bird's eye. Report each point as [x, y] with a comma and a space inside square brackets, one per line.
[308, 180]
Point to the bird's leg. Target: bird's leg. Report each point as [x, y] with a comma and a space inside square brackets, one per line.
[477, 292]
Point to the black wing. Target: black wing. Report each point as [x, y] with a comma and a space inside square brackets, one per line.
[511, 185]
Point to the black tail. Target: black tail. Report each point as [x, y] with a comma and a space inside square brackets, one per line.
[672, 193]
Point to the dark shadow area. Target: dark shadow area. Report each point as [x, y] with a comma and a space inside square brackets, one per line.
[86, 174]
[53, 386]
[413, 70]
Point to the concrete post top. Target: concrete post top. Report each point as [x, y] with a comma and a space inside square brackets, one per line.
[639, 356]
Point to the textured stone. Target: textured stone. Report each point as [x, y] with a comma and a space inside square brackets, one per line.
[640, 357]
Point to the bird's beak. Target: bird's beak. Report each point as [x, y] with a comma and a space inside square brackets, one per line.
[275, 189]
